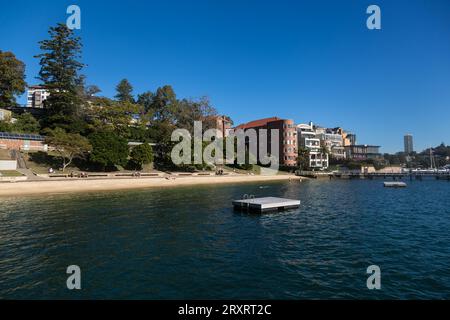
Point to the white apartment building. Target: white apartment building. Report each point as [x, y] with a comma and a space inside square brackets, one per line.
[36, 96]
[333, 140]
[309, 139]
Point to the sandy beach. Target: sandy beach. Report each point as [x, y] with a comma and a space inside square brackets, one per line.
[70, 186]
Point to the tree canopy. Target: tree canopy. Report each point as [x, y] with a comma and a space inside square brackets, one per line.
[12, 79]
[303, 158]
[124, 91]
[60, 67]
[142, 154]
[108, 149]
[67, 145]
[26, 123]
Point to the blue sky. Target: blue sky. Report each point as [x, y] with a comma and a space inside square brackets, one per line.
[304, 60]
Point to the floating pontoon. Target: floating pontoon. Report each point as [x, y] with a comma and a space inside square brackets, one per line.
[265, 204]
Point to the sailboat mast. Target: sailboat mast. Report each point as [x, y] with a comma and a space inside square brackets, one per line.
[431, 158]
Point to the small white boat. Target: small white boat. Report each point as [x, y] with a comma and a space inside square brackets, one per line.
[395, 184]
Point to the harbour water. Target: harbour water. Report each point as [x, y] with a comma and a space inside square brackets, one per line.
[188, 243]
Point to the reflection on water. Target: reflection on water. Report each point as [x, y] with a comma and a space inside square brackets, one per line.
[187, 243]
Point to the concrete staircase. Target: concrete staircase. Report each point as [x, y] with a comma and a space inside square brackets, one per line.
[22, 166]
[16, 155]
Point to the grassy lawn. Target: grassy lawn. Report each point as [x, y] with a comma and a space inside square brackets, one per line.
[255, 170]
[40, 162]
[10, 173]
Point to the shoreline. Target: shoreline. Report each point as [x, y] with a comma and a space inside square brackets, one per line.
[79, 186]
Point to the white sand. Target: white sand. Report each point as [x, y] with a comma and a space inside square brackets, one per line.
[69, 186]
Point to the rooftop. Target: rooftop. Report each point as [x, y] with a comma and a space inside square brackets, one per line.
[257, 123]
[21, 136]
[37, 87]
[364, 146]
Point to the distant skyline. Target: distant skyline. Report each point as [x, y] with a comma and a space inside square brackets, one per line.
[302, 60]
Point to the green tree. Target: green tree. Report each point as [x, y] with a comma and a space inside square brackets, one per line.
[161, 133]
[12, 79]
[5, 126]
[165, 104]
[142, 154]
[26, 123]
[146, 101]
[60, 67]
[108, 115]
[303, 159]
[108, 149]
[91, 90]
[67, 145]
[188, 111]
[442, 150]
[250, 159]
[124, 91]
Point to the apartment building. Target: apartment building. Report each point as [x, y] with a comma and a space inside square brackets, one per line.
[348, 139]
[363, 152]
[287, 137]
[308, 138]
[36, 96]
[332, 139]
[409, 145]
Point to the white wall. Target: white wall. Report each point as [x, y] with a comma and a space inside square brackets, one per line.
[8, 165]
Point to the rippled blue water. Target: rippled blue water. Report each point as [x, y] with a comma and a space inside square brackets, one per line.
[187, 243]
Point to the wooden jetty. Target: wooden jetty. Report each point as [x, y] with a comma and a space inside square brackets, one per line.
[395, 184]
[393, 176]
[267, 204]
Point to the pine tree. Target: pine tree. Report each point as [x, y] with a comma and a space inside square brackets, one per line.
[60, 67]
[124, 91]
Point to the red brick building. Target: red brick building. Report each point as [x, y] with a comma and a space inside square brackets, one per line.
[287, 137]
[26, 142]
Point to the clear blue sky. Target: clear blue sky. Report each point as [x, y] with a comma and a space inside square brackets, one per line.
[304, 60]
